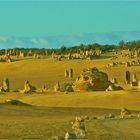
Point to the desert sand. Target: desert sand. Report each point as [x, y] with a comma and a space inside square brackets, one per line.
[42, 115]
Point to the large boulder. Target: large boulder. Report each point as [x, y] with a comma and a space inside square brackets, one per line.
[91, 79]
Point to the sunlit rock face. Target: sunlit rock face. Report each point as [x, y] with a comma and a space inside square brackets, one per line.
[91, 79]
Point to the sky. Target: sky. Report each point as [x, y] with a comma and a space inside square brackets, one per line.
[32, 18]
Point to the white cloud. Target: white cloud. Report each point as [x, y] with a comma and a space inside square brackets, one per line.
[43, 41]
[39, 41]
[3, 39]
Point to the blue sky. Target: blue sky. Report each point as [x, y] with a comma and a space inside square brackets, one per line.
[49, 18]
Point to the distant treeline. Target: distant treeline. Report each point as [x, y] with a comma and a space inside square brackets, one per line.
[77, 49]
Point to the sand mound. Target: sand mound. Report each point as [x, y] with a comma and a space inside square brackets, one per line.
[15, 102]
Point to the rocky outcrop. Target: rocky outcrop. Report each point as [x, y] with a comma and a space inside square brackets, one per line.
[28, 88]
[91, 79]
[5, 85]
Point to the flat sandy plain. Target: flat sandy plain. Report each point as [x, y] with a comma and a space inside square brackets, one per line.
[50, 114]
